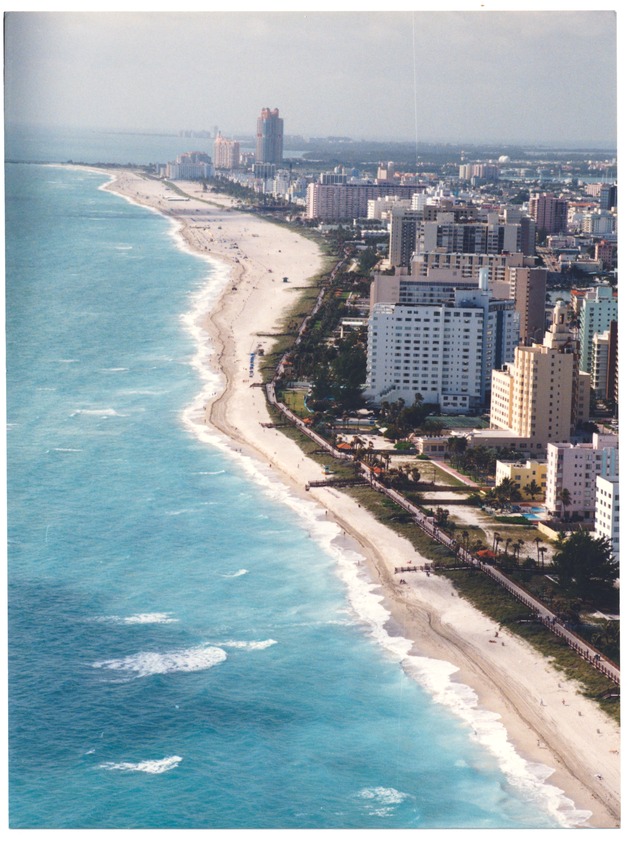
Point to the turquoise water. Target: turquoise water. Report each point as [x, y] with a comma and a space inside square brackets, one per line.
[190, 646]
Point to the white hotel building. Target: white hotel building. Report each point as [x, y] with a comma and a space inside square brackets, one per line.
[438, 339]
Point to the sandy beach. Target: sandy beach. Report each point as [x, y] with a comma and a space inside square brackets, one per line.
[546, 719]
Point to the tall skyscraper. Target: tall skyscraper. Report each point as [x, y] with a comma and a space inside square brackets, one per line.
[269, 137]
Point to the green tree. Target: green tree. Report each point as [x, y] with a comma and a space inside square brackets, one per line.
[585, 565]
[532, 489]
[565, 501]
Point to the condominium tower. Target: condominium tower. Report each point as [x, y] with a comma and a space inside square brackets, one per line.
[269, 137]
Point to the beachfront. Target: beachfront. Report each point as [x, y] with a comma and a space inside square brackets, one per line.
[546, 719]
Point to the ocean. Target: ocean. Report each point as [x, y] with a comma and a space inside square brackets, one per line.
[191, 646]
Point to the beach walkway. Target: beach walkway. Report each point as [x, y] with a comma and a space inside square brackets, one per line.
[427, 523]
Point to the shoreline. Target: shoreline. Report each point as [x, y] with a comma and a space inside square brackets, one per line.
[549, 724]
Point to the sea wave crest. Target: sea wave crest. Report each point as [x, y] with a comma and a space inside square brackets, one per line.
[150, 766]
[383, 800]
[249, 646]
[139, 618]
[102, 413]
[148, 663]
[238, 573]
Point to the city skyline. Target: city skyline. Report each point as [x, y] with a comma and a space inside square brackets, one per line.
[529, 77]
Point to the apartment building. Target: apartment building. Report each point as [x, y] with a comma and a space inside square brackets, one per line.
[549, 212]
[440, 340]
[227, 153]
[332, 203]
[522, 473]
[575, 468]
[607, 510]
[542, 395]
[597, 308]
[190, 165]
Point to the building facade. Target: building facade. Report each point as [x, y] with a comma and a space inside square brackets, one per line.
[439, 340]
[190, 165]
[542, 395]
[575, 468]
[269, 137]
[338, 202]
[597, 309]
[227, 153]
[549, 213]
[607, 511]
[522, 473]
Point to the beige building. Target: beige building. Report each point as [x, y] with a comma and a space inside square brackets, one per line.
[227, 153]
[522, 474]
[542, 395]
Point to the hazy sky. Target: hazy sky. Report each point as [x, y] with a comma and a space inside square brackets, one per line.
[510, 76]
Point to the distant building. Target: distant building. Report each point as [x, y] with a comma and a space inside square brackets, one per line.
[190, 165]
[402, 234]
[488, 238]
[465, 265]
[227, 153]
[542, 395]
[608, 197]
[606, 252]
[331, 203]
[548, 212]
[528, 287]
[269, 137]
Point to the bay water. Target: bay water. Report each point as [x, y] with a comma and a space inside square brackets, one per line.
[190, 645]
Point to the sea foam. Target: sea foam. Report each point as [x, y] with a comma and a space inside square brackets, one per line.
[139, 618]
[150, 766]
[148, 663]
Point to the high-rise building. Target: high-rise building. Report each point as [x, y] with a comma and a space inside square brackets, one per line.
[227, 153]
[437, 339]
[542, 395]
[528, 287]
[608, 197]
[597, 309]
[402, 235]
[269, 137]
[549, 213]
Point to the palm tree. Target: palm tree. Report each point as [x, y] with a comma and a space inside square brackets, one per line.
[495, 545]
[565, 501]
[517, 548]
[543, 551]
[508, 542]
[537, 540]
[532, 489]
